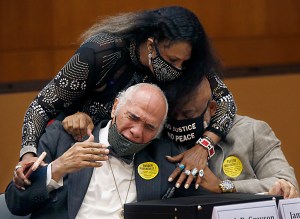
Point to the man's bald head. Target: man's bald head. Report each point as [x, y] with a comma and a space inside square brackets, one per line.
[148, 99]
[194, 104]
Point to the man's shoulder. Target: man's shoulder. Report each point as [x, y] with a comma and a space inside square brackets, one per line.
[246, 120]
[244, 127]
[55, 125]
[55, 132]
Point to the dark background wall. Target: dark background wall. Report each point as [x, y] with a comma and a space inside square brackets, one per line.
[259, 39]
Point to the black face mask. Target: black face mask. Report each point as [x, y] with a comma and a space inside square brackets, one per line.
[187, 131]
[163, 71]
[121, 145]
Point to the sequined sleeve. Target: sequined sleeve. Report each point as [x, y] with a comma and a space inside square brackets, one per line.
[221, 122]
[86, 68]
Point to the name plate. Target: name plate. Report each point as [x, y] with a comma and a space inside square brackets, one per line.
[289, 208]
[253, 210]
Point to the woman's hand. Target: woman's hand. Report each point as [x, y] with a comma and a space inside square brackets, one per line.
[192, 159]
[78, 125]
[196, 157]
[21, 169]
[209, 181]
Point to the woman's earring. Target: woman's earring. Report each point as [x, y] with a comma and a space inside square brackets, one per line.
[149, 57]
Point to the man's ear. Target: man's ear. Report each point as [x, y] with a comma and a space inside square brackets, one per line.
[212, 107]
[113, 111]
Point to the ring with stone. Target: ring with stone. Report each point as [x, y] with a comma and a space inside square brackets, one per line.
[187, 172]
[201, 173]
[17, 167]
[194, 171]
[181, 166]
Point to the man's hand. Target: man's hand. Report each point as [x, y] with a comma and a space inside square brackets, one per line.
[196, 157]
[78, 125]
[21, 169]
[80, 155]
[285, 189]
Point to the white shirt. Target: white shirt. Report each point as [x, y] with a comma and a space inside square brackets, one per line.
[101, 199]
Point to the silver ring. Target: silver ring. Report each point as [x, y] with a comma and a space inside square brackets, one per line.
[187, 172]
[201, 173]
[181, 166]
[194, 171]
[17, 167]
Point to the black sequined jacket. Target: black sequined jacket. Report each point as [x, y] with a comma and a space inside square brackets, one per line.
[101, 67]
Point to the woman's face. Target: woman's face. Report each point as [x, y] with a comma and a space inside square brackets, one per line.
[166, 60]
[176, 53]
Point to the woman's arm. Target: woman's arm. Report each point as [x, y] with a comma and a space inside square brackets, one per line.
[90, 66]
[68, 86]
[221, 122]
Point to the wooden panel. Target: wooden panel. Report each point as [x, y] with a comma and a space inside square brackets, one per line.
[11, 125]
[32, 65]
[37, 37]
[25, 25]
[29, 65]
[253, 52]
[255, 18]
[72, 17]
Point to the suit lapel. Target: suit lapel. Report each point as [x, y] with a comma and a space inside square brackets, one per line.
[78, 184]
[155, 152]
[146, 189]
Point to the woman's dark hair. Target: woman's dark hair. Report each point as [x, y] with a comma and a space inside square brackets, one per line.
[173, 24]
[183, 88]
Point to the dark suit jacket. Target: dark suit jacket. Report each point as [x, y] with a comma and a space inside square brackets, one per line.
[66, 201]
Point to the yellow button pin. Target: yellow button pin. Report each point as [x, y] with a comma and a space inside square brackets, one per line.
[232, 166]
[148, 170]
